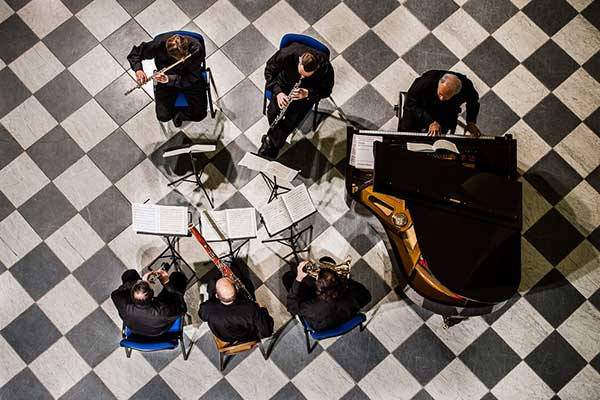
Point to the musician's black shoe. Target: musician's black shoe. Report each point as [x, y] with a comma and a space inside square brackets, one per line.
[267, 148]
[178, 120]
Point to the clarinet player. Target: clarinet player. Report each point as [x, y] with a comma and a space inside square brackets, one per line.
[293, 66]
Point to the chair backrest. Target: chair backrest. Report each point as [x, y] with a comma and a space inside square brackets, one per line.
[168, 340]
[235, 347]
[290, 38]
[338, 330]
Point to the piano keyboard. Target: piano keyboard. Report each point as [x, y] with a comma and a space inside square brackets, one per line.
[372, 132]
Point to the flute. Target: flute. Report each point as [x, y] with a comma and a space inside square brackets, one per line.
[282, 111]
[162, 71]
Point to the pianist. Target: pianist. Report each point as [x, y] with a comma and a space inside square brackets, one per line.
[433, 103]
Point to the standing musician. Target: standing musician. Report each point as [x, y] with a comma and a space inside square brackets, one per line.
[283, 71]
[234, 318]
[185, 77]
[433, 104]
[143, 313]
[325, 302]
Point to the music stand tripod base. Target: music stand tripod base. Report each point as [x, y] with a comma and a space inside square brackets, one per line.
[175, 260]
[196, 174]
[275, 188]
[291, 241]
[233, 253]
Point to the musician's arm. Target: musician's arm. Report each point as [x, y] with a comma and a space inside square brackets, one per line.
[145, 51]
[415, 100]
[324, 86]
[264, 323]
[272, 71]
[173, 304]
[472, 99]
[192, 73]
[293, 298]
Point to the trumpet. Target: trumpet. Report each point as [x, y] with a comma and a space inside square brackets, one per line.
[343, 269]
[162, 71]
[281, 114]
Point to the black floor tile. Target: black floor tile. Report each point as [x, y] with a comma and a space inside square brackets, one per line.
[593, 121]
[375, 284]
[252, 9]
[17, 38]
[369, 55]
[431, 12]
[372, 12]
[16, 5]
[134, 7]
[288, 392]
[11, 149]
[306, 158]
[490, 61]
[490, 358]
[595, 299]
[116, 155]
[80, 40]
[228, 158]
[355, 394]
[39, 271]
[120, 41]
[358, 352]
[248, 61]
[594, 238]
[90, 387]
[290, 353]
[193, 8]
[422, 395]
[95, 338]
[76, 5]
[592, 14]
[55, 152]
[156, 389]
[550, 15]
[13, 91]
[30, 334]
[419, 57]
[222, 390]
[555, 298]
[119, 107]
[551, 120]
[160, 359]
[595, 363]
[313, 10]
[368, 109]
[243, 105]
[555, 361]
[24, 386]
[490, 15]
[100, 274]
[47, 210]
[424, 355]
[499, 121]
[6, 207]
[551, 65]
[65, 82]
[553, 177]
[109, 214]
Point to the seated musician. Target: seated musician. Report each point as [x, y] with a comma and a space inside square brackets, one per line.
[234, 318]
[325, 302]
[433, 104]
[282, 72]
[185, 77]
[143, 313]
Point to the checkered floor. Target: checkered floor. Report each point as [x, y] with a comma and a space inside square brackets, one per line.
[75, 153]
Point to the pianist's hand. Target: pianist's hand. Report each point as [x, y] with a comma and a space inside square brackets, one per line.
[282, 100]
[435, 129]
[472, 129]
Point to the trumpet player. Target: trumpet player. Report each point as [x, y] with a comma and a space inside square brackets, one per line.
[325, 302]
[290, 65]
[186, 77]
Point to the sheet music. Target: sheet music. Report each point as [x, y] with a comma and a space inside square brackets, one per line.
[298, 203]
[361, 152]
[214, 225]
[241, 223]
[276, 216]
[195, 148]
[253, 162]
[437, 145]
[162, 220]
[271, 168]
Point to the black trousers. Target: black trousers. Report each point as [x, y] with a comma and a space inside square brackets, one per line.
[178, 279]
[195, 95]
[294, 114]
[411, 122]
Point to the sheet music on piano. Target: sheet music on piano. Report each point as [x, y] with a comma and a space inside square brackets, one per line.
[159, 220]
[361, 152]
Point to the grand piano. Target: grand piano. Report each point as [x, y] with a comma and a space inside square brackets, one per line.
[452, 221]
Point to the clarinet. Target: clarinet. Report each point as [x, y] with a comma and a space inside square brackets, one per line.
[281, 114]
[221, 266]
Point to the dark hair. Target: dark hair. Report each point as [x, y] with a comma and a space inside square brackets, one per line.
[309, 62]
[329, 285]
[177, 46]
[141, 293]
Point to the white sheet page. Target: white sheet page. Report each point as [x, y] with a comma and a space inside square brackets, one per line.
[363, 145]
[276, 216]
[144, 218]
[253, 162]
[298, 203]
[173, 220]
[273, 168]
[214, 225]
[241, 223]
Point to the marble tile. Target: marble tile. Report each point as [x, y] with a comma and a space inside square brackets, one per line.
[82, 182]
[21, 179]
[401, 30]
[326, 194]
[36, 67]
[144, 182]
[580, 92]
[18, 238]
[89, 125]
[582, 268]
[347, 81]
[103, 17]
[460, 338]
[585, 385]
[460, 33]
[218, 187]
[276, 308]
[5, 11]
[579, 38]
[15, 300]
[19, 38]
[530, 146]
[389, 376]
[341, 27]
[323, 378]
[198, 373]
[28, 122]
[43, 16]
[221, 22]
[521, 90]
[393, 322]
[522, 327]
[534, 205]
[225, 73]
[145, 130]
[534, 266]
[580, 5]
[480, 86]
[582, 207]
[279, 20]
[261, 261]
[333, 244]
[520, 36]
[50, 367]
[250, 377]
[10, 362]
[136, 251]
[522, 383]
[582, 331]
[134, 372]
[581, 149]
[25, 385]
[105, 68]
[456, 382]
[397, 78]
[162, 16]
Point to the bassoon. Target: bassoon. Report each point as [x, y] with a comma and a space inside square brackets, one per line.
[222, 267]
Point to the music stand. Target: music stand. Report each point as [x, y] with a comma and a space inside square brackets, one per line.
[292, 240]
[275, 188]
[196, 174]
[211, 228]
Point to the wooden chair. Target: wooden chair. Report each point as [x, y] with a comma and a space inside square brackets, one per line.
[227, 349]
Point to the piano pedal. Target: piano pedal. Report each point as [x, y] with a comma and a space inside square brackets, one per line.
[449, 322]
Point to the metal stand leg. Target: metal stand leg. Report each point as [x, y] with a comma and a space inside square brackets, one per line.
[274, 187]
[292, 240]
[197, 180]
[175, 260]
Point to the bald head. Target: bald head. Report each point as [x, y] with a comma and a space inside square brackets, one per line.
[448, 86]
[225, 291]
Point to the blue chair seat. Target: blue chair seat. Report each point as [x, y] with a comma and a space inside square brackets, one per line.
[168, 341]
[338, 330]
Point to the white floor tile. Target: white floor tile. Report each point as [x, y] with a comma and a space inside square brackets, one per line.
[28, 122]
[323, 379]
[394, 322]
[580, 92]
[521, 90]
[460, 336]
[43, 16]
[520, 36]
[582, 268]
[581, 149]
[162, 16]
[96, 69]
[82, 182]
[582, 207]
[584, 386]
[198, 373]
[534, 205]
[396, 78]
[125, 376]
[36, 67]
[326, 194]
[10, 362]
[103, 17]
[522, 383]
[582, 331]
[347, 81]
[21, 179]
[456, 382]
[221, 22]
[460, 33]
[225, 73]
[401, 30]
[534, 266]
[14, 300]
[144, 182]
[136, 251]
[144, 130]
[530, 146]
[340, 27]
[579, 38]
[279, 20]
[89, 125]
[388, 377]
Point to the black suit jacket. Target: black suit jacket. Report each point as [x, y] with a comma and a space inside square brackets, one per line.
[241, 321]
[153, 319]
[281, 72]
[423, 101]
